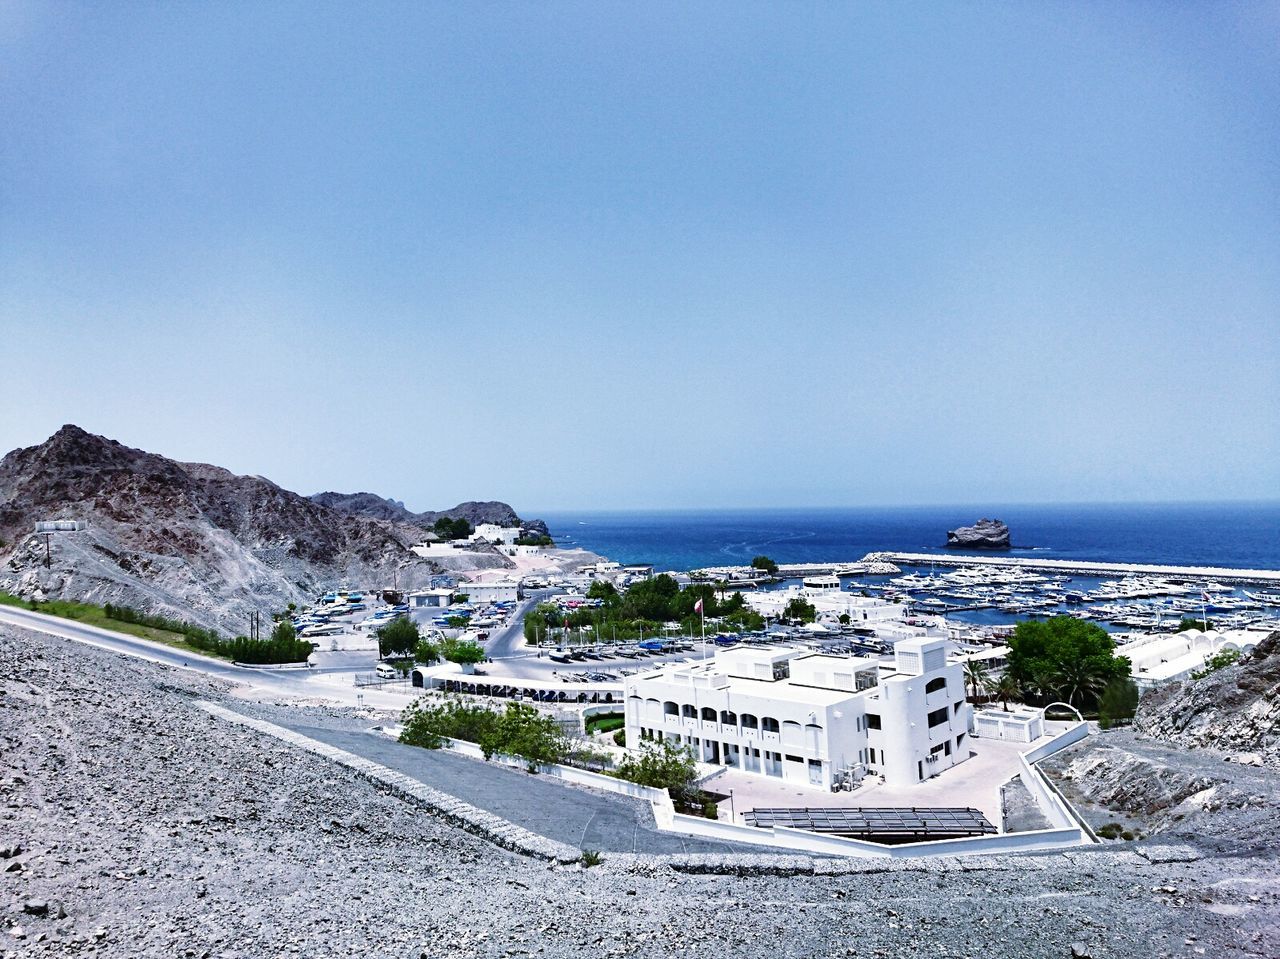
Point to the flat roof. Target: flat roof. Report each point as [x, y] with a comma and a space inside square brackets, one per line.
[851, 662]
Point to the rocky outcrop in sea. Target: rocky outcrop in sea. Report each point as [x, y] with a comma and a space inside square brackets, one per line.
[984, 534]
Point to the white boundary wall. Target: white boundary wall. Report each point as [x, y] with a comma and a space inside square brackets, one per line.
[1066, 831]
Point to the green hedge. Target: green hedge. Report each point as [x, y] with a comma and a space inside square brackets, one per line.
[282, 647]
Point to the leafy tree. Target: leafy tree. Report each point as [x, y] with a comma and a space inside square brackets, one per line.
[462, 651]
[284, 632]
[765, 564]
[1199, 625]
[534, 539]
[1215, 662]
[604, 591]
[518, 730]
[651, 599]
[426, 652]
[1078, 655]
[528, 733]
[451, 529]
[1118, 702]
[431, 724]
[801, 609]
[662, 765]
[456, 622]
[398, 638]
[541, 619]
[845, 619]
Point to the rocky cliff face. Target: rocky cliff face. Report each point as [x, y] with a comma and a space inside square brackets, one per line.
[1202, 759]
[984, 534]
[183, 539]
[1235, 710]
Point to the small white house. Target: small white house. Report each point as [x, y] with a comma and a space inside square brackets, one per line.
[493, 533]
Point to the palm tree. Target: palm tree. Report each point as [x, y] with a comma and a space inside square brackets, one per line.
[975, 676]
[1080, 677]
[1044, 683]
[1004, 689]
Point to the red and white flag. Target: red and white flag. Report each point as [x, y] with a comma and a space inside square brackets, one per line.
[697, 607]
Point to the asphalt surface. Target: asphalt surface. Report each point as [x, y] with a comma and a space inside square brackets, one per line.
[578, 817]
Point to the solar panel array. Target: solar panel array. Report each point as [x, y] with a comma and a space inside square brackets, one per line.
[870, 822]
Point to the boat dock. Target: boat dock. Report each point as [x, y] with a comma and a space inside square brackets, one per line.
[1082, 567]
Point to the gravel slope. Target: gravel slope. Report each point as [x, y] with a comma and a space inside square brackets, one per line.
[145, 827]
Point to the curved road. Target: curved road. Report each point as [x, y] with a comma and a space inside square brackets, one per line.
[290, 682]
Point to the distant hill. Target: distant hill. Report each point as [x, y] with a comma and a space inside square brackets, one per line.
[188, 539]
[377, 507]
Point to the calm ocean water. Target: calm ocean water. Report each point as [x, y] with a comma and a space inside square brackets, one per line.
[1240, 535]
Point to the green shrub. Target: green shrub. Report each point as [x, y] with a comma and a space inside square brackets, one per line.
[1111, 830]
[591, 857]
[620, 737]
[518, 730]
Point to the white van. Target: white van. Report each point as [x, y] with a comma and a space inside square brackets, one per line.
[385, 671]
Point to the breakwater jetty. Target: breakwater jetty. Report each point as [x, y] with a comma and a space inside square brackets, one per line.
[1083, 567]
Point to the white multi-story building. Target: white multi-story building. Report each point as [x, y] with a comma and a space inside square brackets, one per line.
[809, 717]
[493, 533]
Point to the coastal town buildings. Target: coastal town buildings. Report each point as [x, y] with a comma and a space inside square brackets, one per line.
[810, 718]
[1168, 657]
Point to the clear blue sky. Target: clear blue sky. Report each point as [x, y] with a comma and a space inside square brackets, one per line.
[610, 255]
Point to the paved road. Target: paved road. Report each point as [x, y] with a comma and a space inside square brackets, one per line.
[578, 817]
[283, 682]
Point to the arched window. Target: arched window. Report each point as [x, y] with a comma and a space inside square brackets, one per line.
[687, 712]
[933, 685]
[708, 714]
[728, 717]
[769, 724]
[749, 721]
[670, 709]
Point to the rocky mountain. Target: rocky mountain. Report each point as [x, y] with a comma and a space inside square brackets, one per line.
[1235, 709]
[366, 504]
[984, 534]
[378, 507]
[185, 539]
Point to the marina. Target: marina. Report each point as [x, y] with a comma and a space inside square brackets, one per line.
[1061, 566]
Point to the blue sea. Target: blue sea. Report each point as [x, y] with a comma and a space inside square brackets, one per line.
[1239, 535]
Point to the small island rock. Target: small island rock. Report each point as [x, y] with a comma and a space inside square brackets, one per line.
[984, 534]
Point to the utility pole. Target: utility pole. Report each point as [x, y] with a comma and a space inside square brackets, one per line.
[48, 556]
